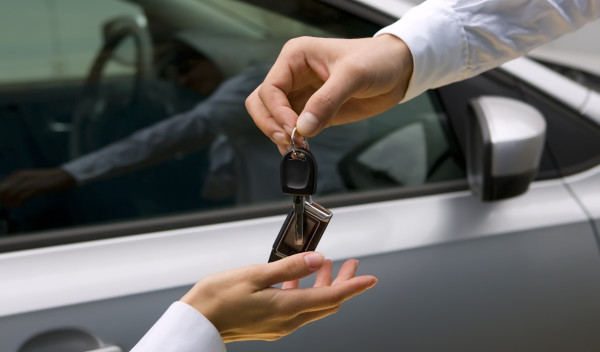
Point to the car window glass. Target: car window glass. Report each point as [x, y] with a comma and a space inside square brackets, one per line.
[53, 40]
[131, 112]
[405, 146]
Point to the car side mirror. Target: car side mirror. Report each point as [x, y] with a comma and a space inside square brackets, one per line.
[505, 140]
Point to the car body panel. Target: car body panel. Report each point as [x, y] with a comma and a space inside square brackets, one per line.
[455, 274]
[579, 48]
[455, 297]
[176, 252]
[428, 291]
[582, 99]
[116, 270]
[585, 186]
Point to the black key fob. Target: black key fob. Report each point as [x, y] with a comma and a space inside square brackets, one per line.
[298, 172]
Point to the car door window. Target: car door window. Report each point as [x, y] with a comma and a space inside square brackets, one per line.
[405, 146]
[54, 40]
[138, 112]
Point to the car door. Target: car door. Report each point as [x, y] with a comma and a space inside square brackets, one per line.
[454, 273]
[460, 274]
[457, 274]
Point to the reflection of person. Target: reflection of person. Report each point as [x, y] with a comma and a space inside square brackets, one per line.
[242, 304]
[185, 66]
[219, 121]
[318, 82]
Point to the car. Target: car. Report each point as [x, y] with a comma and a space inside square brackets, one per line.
[476, 205]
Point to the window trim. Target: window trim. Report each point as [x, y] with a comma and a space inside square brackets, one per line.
[25, 241]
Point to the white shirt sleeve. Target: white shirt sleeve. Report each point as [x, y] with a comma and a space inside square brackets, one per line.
[452, 40]
[181, 329]
[221, 113]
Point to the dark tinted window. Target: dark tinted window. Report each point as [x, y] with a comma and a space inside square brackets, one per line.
[115, 112]
[573, 141]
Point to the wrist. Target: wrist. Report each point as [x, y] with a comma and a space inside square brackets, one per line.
[203, 297]
[66, 180]
[398, 51]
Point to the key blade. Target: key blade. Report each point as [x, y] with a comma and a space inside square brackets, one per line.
[299, 226]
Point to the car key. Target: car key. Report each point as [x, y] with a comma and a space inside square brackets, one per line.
[307, 220]
[299, 178]
[298, 207]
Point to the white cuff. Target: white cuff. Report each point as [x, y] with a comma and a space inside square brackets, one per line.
[181, 329]
[433, 33]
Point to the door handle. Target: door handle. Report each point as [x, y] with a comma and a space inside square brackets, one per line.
[67, 340]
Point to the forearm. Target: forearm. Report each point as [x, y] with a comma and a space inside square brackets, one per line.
[452, 40]
[182, 133]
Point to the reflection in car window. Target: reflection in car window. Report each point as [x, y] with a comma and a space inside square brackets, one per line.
[406, 146]
[139, 112]
[52, 40]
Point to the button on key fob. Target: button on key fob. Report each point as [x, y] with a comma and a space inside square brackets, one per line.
[298, 172]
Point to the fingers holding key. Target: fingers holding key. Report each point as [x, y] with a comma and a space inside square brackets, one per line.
[319, 82]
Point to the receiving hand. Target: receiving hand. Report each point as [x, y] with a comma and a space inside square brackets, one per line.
[318, 82]
[23, 185]
[243, 305]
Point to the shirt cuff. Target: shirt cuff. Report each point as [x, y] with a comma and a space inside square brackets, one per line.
[96, 164]
[437, 40]
[181, 329]
[73, 169]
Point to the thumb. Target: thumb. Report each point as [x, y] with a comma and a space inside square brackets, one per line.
[324, 104]
[292, 268]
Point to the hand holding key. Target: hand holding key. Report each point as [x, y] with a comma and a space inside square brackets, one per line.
[307, 220]
[320, 82]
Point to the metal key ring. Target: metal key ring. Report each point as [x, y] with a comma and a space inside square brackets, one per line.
[303, 140]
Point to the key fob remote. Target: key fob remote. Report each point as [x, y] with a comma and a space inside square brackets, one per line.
[316, 219]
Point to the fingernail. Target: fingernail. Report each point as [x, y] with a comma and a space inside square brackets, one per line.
[279, 137]
[314, 260]
[288, 129]
[307, 123]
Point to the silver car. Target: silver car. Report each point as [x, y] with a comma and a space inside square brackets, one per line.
[476, 205]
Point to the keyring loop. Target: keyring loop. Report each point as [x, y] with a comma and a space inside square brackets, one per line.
[303, 141]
